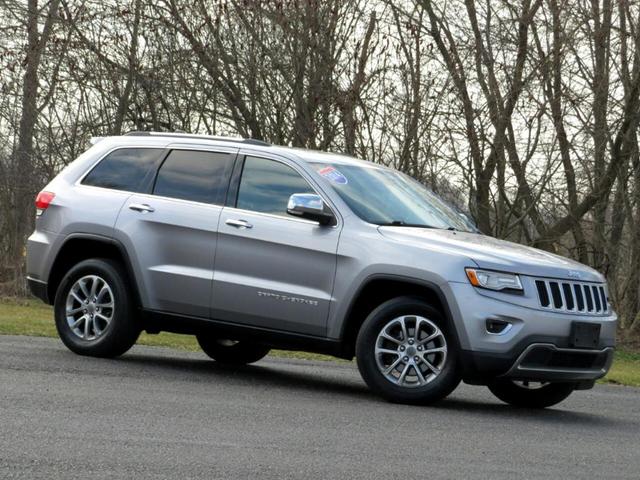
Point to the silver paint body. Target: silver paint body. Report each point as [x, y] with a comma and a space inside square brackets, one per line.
[291, 274]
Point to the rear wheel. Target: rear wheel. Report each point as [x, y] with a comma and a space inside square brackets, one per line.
[530, 394]
[94, 311]
[230, 351]
[406, 354]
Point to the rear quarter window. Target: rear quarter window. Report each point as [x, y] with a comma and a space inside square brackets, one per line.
[130, 169]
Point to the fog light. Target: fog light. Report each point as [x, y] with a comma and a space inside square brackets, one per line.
[497, 327]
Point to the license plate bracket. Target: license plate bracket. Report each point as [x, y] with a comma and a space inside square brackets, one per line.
[584, 335]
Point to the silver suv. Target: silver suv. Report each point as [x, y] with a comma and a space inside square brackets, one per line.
[250, 246]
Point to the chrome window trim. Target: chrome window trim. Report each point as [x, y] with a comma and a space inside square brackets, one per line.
[167, 149]
[179, 200]
[88, 170]
[289, 218]
[221, 149]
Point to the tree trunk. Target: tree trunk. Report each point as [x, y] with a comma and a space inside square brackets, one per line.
[25, 182]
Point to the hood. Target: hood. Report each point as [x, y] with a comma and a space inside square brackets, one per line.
[494, 254]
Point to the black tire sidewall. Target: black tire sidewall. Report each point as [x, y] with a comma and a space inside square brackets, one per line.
[518, 396]
[434, 391]
[241, 353]
[123, 329]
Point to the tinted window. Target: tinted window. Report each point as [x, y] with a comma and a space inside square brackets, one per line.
[196, 176]
[128, 169]
[266, 186]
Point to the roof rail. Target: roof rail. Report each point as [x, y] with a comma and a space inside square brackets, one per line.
[249, 141]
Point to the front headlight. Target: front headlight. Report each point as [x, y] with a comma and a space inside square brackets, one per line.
[494, 280]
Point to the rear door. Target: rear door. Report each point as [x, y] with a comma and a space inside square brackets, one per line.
[272, 269]
[100, 194]
[170, 233]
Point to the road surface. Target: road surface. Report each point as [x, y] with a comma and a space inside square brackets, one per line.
[159, 413]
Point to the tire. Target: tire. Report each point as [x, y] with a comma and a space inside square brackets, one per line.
[230, 352]
[403, 383]
[542, 396]
[95, 336]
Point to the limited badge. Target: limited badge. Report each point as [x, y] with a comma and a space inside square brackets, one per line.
[334, 175]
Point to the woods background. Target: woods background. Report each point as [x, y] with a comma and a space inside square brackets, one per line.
[523, 113]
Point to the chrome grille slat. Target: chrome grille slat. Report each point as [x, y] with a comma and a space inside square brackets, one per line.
[580, 305]
[565, 305]
[556, 296]
[570, 296]
[603, 296]
[596, 298]
[588, 297]
[567, 291]
[549, 296]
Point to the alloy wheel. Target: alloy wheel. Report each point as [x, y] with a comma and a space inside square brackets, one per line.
[89, 307]
[411, 351]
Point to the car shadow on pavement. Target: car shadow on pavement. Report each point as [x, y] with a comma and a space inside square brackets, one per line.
[265, 374]
[332, 382]
[559, 413]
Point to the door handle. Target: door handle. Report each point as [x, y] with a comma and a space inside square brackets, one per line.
[238, 223]
[141, 207]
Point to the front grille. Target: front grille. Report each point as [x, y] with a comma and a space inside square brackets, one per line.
[572, 296]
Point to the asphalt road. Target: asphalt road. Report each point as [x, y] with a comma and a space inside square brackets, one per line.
[159, 413]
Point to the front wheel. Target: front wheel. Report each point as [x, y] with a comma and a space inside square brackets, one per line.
[406, 353]
[530, 394]
[231, 352]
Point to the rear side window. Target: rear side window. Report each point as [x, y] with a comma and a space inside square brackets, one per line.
[129, 169]
[196, 176]
[266, 186]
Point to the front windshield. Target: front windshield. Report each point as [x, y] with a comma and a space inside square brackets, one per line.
[388, 197]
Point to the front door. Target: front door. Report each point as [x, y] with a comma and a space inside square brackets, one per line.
[273, 270]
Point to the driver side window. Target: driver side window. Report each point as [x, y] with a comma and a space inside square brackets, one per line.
[266, 185]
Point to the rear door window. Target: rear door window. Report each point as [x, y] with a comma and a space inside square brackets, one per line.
[198, 176]
[129, 169]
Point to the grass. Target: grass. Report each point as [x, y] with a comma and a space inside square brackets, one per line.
[32, 317]
[625, 369]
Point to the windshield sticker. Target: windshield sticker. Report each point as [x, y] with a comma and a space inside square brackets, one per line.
[334, 175]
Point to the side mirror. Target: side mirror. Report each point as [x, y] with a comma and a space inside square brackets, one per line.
[311, 207]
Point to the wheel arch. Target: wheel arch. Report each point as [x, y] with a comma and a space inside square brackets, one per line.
[379, 288]
[79, 247]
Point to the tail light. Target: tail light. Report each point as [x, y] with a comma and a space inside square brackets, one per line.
[43, 200]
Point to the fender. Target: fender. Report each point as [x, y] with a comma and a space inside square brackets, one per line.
[110, 241]
[434, 287]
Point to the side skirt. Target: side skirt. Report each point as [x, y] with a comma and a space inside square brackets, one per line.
[158, 321]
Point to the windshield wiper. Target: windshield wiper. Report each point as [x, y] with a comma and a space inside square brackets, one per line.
[400, 223]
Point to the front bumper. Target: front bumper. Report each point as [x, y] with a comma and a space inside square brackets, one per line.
[537, 361]
[545, 361]
[537, 346]
[532, 324]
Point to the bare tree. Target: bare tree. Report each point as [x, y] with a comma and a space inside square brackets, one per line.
[523, 113]
[23, 170]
